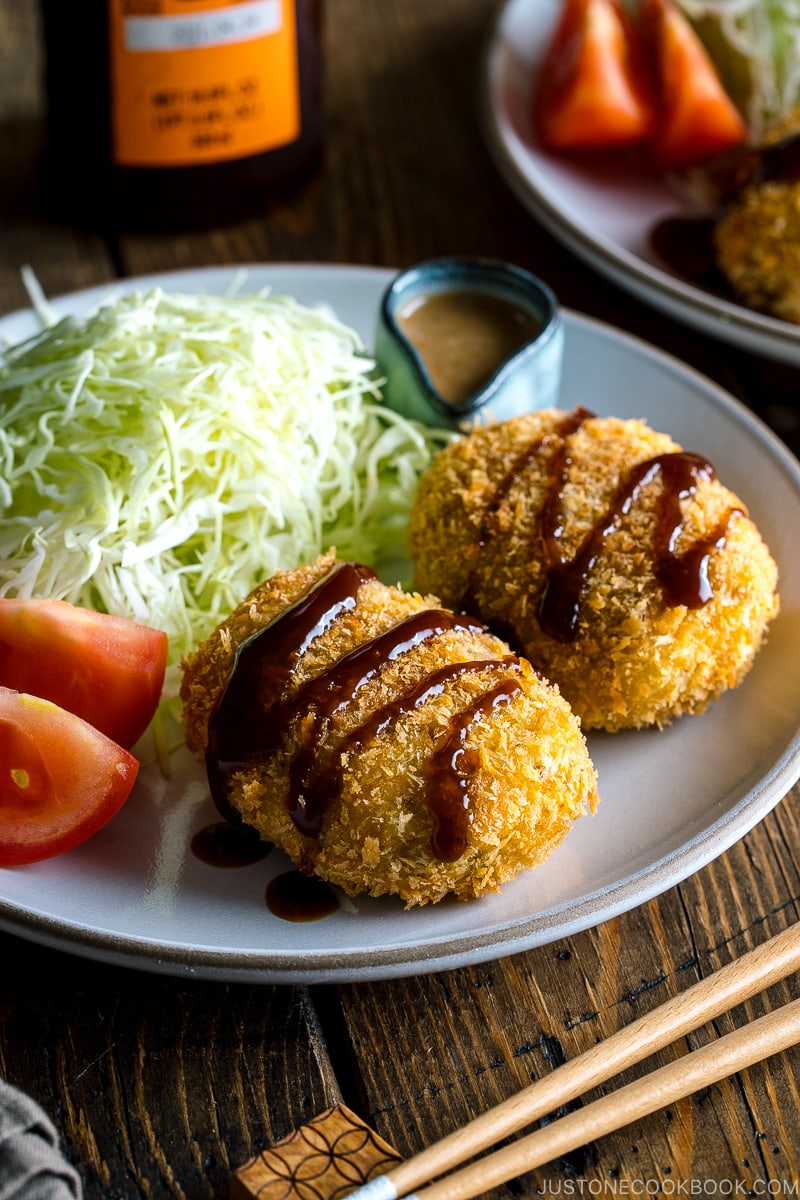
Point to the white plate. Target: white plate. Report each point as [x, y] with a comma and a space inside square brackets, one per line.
[604, 216]
[670, 801]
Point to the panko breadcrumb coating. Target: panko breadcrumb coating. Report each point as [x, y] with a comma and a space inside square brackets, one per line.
[534, 507]
[430, 761]
[757, 247]
[757, 237]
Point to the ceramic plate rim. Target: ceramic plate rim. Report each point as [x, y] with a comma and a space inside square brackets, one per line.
[516, 164]
[440, 952]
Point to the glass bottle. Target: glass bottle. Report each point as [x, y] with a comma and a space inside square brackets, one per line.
[165, 113]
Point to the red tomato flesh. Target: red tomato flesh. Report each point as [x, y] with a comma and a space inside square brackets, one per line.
[592, 92]
[107, 670]
[60, 779]
[697, 118]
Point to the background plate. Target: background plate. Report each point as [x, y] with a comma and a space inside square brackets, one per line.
[604, 214]
[670, 801]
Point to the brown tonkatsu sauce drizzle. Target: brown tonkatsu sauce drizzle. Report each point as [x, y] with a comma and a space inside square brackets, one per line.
[450, 769]
[252, 718]
[309, 807]
[686, 244]
[552, 437]
[683, 577]
[261, 670]
[330, 692]
[558, 434]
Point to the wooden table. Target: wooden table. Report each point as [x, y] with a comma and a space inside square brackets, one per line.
[162, 1086]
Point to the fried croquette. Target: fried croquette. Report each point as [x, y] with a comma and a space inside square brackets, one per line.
[614, 561]
[757, 236]
[387, 745]
[757, 248]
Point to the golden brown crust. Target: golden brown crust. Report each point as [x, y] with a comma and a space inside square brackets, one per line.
[757, 237]
[531, 774]
[205, 671]
[635, 661]
[757, 245]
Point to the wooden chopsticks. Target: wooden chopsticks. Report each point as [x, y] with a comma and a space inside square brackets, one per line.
[776, 1031]
[732, 984]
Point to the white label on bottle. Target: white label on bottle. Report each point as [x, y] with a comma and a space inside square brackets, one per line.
[235, 23]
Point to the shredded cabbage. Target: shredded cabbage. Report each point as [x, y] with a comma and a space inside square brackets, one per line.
[163, 455]
[755, 45]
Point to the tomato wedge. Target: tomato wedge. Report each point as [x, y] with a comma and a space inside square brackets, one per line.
[592, 92]
[106, 669]
[697, 118]
[60, 779]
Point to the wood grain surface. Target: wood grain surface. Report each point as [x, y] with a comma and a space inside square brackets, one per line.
[161, 1087]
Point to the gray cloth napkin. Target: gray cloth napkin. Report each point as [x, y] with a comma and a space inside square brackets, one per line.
[31, 1164]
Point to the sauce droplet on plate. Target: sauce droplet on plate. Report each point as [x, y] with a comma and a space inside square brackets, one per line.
[224, 845]
[686, 244]
[293, 896]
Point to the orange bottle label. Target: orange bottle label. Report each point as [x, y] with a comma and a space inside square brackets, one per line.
[201, 81]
